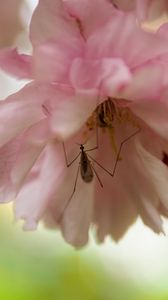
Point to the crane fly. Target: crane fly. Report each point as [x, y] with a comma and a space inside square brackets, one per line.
[86, 168]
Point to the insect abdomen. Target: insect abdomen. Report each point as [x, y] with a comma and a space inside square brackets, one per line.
[85, 168]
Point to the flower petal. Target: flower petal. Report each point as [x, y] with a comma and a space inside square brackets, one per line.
[154, 113]
[143, 46]
[52, 59]
[145, 10]
[150, 215]
[36, 193]
[21, 110]
[8, 156]
[19, 65]
[163, 31]
[114, 209]
[157, 172]
[31, 145]
[71, 111]
[142, 188]
[78, 215]
[50, 20]
[84, 12]
[106, 75]
[149, 75]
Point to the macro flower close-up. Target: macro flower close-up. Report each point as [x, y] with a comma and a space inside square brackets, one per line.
[84, 143]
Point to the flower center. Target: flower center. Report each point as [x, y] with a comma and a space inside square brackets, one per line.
[108, 115]
[105, 113]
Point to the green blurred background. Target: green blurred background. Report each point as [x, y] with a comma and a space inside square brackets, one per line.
[39, 265]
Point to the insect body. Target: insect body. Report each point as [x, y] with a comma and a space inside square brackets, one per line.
[86, 169]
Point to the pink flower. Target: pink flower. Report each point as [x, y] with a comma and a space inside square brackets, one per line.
[87, 69]
[10, 21]
[145, 9]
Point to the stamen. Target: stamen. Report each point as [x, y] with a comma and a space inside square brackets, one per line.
[107, 115]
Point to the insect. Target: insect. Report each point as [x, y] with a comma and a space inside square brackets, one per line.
[86, 165]
[86, 168]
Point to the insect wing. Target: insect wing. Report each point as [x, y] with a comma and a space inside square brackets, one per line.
[85, 168]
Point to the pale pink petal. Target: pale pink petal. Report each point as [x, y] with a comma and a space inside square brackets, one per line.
[21, 110]
[154, 113]
[114, 210]
[19, 65]
[144, 10]
[8, 156]
[151, 74]
[134, 45]
[106, 75]
[71, 111]
[50, 20]
[148, 200]
[52, 60]
[84, 12]
[125, 5]
[78, 215]
[162, 210]
[18, 156]
[157, 172]
[163, 31]
[67, 110]
[32, 144]
[36, 193]
[135, 188]
[150, 215]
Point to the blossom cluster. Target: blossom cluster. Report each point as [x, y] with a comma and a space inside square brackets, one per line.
[85, 142]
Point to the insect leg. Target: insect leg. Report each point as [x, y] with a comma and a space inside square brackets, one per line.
[118, 154]
[100, 165]
[66, 159]
[101, 184]
[74, 189]
[120, 148]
